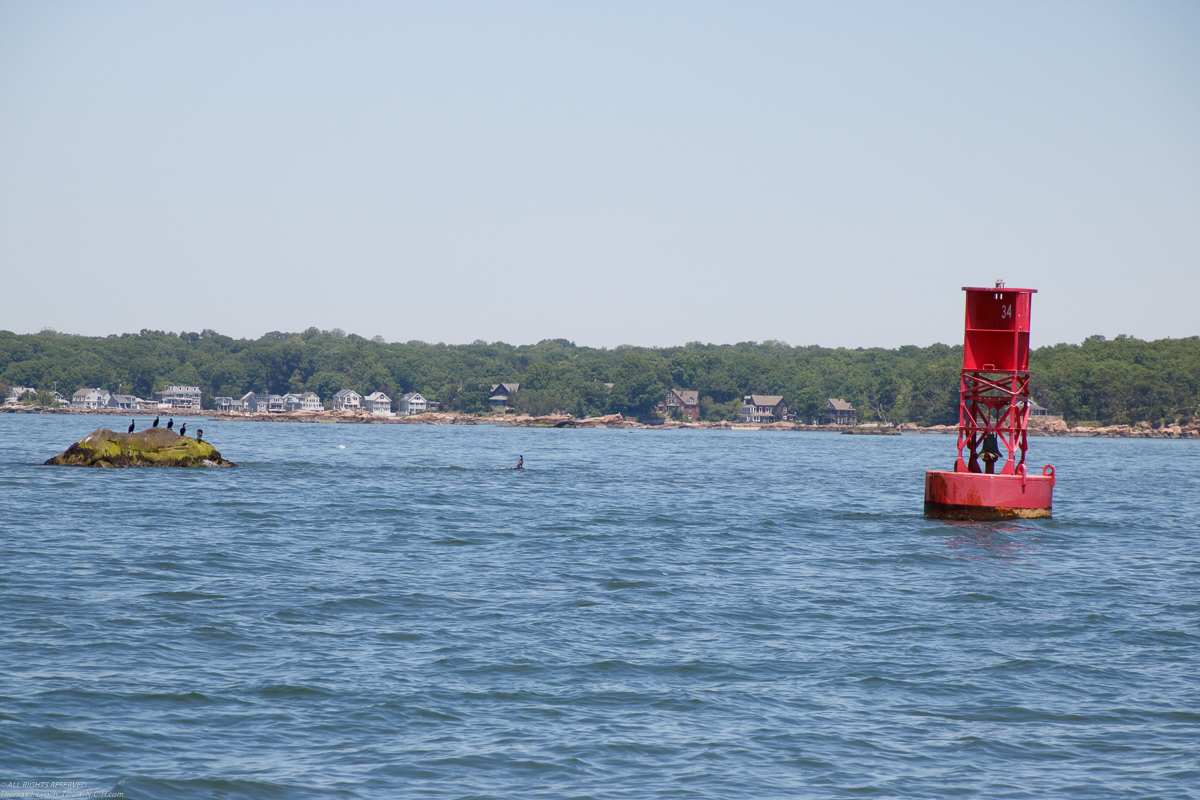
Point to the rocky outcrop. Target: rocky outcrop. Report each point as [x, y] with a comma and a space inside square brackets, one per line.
[609, 421]
[871, 430]
[546, 421]
[153, 447]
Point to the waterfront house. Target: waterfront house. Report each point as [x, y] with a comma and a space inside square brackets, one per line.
[125, 402]
[413, 403]
[501, 392]
[309, 401]
[763, 408]
[251, 402]
[1036, 410]
[90, 398]
[838, 412]
[275, 404]
[378, 404]
[179, 397]
[347, 400]
[18, 393]
[686, 400]
[224, 403]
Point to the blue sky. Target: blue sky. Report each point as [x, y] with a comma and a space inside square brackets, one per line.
[609, 173]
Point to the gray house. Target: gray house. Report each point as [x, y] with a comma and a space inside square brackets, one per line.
[413, 403]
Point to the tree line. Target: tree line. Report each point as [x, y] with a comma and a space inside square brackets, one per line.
[1122, 380]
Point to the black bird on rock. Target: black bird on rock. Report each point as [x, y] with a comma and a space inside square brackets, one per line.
[199, 435]
[183, 430]
[131, 426]
[170, 423]
[155, 425]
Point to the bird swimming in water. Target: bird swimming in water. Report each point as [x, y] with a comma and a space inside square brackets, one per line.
[170, 423]
[131, 426]
[199, 435]
[155, 425]
[183, 430]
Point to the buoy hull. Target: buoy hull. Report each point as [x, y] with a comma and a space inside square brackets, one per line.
[973, 495]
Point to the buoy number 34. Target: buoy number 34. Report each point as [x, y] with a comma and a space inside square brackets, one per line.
[1006, 312]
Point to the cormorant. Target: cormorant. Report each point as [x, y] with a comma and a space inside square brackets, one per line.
[520, 463]
[183, 430]
[170, 423]
[199, 435]
[131, 426]
[155, 425]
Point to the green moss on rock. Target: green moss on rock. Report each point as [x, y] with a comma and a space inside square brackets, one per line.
[153, 447]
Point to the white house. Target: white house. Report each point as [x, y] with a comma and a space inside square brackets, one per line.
[90, 398]
[17, 394]
[347, 400]
[311, 401]
[378, 404]
[275, 404]
[180, 397]
[413, 403]
[763, 408]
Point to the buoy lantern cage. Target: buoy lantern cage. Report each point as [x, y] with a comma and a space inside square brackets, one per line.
[990, 478]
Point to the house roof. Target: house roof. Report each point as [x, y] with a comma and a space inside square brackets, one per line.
[509, 388]
[307, 395]
[838, 404]
[689, 397]
[347, 393]
[412, 396]
[249, 396]
[766, 399]
[377, 397]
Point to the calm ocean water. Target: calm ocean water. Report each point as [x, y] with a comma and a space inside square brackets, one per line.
[640, 614]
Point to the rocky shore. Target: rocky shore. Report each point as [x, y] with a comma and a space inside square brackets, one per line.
[1037, 427]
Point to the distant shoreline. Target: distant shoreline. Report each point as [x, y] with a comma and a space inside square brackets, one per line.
[612, 421]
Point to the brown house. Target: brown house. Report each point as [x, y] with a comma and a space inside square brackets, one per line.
[686, 400]
[838, 412]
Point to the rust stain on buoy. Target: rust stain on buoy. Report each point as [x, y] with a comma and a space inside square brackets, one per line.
[993, 417]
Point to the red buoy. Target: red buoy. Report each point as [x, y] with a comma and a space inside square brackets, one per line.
[993, 417]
